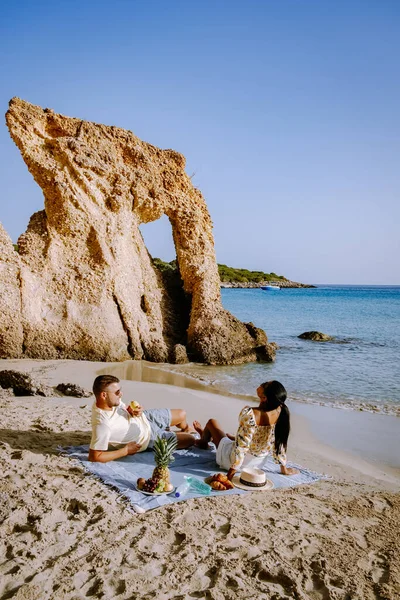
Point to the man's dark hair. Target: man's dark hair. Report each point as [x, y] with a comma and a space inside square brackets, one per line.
[102, 382]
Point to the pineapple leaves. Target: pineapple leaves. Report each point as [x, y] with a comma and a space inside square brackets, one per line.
[163, 450]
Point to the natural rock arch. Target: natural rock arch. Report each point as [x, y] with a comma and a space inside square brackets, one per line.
[88, 285]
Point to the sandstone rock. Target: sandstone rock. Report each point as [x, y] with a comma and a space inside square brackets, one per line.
[88, 285]
[11, 331]
[179, 355]
[315, 336]
[23, 384]
[71, 389]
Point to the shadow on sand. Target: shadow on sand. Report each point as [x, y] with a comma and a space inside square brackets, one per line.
[43, 442]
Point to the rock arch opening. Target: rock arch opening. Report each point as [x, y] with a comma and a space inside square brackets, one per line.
[157, 236]
[176, 303]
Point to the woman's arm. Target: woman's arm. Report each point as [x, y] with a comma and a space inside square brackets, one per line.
[288, 470]
[280, 458]
[231, 473]
[244, 436]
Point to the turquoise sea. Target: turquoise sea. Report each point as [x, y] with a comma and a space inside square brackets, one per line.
[360, 369]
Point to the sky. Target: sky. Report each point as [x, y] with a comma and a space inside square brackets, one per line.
[287, 112]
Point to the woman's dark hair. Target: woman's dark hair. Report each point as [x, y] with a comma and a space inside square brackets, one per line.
[276, 396]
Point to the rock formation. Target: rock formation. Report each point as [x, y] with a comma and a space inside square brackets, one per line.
[19, 383]
[84, 285]
[11, 332]
[22, 384]
[315, 336]
[74, 390]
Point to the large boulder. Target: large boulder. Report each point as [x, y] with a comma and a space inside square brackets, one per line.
[89, 289]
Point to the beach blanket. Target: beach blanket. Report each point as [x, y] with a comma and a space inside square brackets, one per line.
[123, 474]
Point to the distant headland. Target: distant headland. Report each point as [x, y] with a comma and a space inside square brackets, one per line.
[241, 278]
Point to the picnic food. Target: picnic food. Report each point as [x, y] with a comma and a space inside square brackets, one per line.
[149, 485]
[220, 482]
[134, 405]
[217, 485]
[159, 481]
[163, 450]
[220, 477]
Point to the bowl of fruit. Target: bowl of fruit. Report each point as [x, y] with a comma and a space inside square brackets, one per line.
[153, 486]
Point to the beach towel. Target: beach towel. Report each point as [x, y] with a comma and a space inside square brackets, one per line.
[124, 473]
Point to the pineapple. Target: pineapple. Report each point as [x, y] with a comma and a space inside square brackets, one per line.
[163, 450]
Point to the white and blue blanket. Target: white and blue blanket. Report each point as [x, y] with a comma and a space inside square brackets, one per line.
[124, 473]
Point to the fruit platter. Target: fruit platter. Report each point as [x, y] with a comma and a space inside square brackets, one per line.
[152, 487]
[159, 482]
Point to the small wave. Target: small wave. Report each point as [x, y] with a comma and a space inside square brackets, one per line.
[382, 409]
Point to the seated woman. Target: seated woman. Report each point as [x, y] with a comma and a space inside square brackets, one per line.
[261, 430]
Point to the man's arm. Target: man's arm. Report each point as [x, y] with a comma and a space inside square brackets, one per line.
[104, 456]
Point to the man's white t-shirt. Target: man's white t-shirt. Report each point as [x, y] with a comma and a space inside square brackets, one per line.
[117, 427]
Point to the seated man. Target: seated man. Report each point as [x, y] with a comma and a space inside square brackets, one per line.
[133, 430]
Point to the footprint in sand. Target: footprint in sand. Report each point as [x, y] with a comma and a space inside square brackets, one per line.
[280, 584]
[379, 568]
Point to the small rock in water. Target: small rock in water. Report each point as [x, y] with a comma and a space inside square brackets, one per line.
[315, 336]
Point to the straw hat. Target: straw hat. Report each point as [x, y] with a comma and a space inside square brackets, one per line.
[253, 480]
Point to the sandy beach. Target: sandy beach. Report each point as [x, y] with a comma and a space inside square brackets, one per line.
[64, 535]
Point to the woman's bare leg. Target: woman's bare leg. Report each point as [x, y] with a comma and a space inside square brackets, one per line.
[178, 419]
[185, 440]
[211, 432]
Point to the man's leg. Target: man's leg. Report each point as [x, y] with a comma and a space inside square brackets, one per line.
[178, 419]
[211, 432]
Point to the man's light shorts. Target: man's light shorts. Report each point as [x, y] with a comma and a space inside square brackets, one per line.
[160, 420]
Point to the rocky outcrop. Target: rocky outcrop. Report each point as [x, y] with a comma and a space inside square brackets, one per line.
[22, 384]
[72, 389]
[87, 285]
[315, 336]
[253, 284]
[179, 355]
[18, 383]
[11, 329]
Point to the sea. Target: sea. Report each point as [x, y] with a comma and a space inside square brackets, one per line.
[358, 370]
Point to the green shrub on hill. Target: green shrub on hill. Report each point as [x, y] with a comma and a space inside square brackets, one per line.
[228, 274]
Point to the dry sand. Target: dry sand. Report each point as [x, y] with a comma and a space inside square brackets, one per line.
[65, 535]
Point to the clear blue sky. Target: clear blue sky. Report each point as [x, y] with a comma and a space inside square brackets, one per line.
[286, 110]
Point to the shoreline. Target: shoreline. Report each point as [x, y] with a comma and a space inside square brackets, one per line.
[184, 378]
